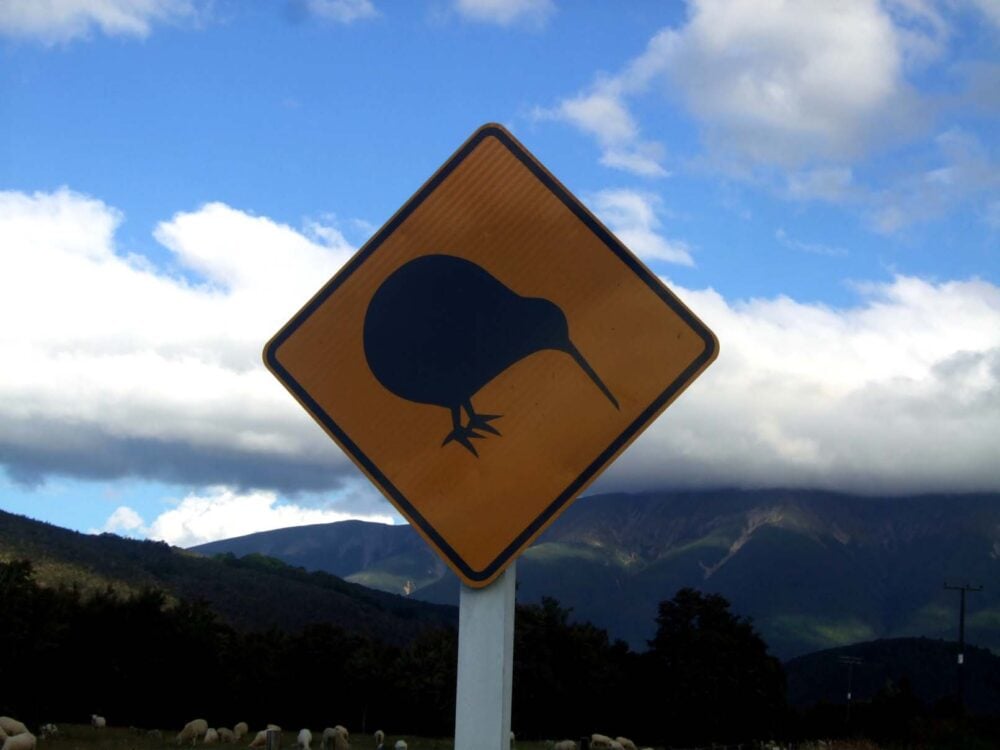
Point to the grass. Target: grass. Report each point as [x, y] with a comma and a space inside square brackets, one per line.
[85, 737]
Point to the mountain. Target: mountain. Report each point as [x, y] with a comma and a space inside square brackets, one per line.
[813, 569]
[252, 593]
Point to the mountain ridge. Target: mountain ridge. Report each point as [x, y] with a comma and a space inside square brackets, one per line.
[815, 569]
[251, 593]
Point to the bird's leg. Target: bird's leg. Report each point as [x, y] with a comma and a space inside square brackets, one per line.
[459, 433]
[463, 434]
[480, 421]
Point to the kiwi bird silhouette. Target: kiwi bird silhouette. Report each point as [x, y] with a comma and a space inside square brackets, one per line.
[439, 328]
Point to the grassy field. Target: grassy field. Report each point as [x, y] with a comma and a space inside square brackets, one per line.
[85, 737]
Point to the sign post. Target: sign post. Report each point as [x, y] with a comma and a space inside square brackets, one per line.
[482, 359]
[485, 664]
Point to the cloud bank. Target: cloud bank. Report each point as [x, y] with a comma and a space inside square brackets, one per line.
[115, 367]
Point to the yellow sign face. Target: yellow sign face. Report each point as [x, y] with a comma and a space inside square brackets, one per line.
[488, 353]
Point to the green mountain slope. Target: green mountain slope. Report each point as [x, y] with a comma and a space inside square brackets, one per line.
[252, 593]
[813, 569]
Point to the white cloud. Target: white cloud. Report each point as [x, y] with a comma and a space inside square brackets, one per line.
[632, 216]
[773, 82]
[900, 394]
[342, 11]
[125, 363]
[62, 20]
[125, 521]
[782, 82]
[603, 113]
[535, 13]
[222, 513]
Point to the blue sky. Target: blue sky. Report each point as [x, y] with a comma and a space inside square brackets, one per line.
[820, 182]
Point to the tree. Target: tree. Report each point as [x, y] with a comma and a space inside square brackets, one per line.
[569, 678]
[710, 673]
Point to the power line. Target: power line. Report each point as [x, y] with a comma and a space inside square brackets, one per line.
[851, 662]
[962, 588]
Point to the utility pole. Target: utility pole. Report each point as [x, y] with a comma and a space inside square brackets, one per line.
[851, 662]
[961, 639]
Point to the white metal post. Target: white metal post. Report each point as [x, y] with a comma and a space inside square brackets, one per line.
[485, 664]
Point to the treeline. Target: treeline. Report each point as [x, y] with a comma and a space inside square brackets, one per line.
[140, 659]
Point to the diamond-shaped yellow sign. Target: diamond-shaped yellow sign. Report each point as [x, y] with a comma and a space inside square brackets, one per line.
[488, 353]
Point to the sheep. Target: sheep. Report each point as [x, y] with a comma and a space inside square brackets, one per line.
[337, 738]
[3, 735]
[211, 736]
[626, 743]
[600, 742]
[192, 731]
[616, 745]
[226, 734]
[47, 730]
[260, 740]
[12, 726]
[239, 730]
[564, 745]
[98, 722]
[304, 739]
[400, 745]
[22, 741]
[379, 739]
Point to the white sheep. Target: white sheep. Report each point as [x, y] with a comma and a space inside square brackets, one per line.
[22, 741]
[379, 739]
[240, 729]
[11, 726]
[98, 722]
[192, 731]
[626, 743]
[616, 745]
[304, 739]
[211, 736]
[3, 735]
[400, 745]
[260, 740]
[600, 742]
[564, 745]
[226, 734]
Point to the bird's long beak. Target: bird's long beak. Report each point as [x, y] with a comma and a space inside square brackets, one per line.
[585, 366]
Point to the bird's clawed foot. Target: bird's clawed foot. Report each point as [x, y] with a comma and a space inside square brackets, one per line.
[464, 434]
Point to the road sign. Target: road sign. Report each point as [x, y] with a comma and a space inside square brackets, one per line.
[488, 353]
